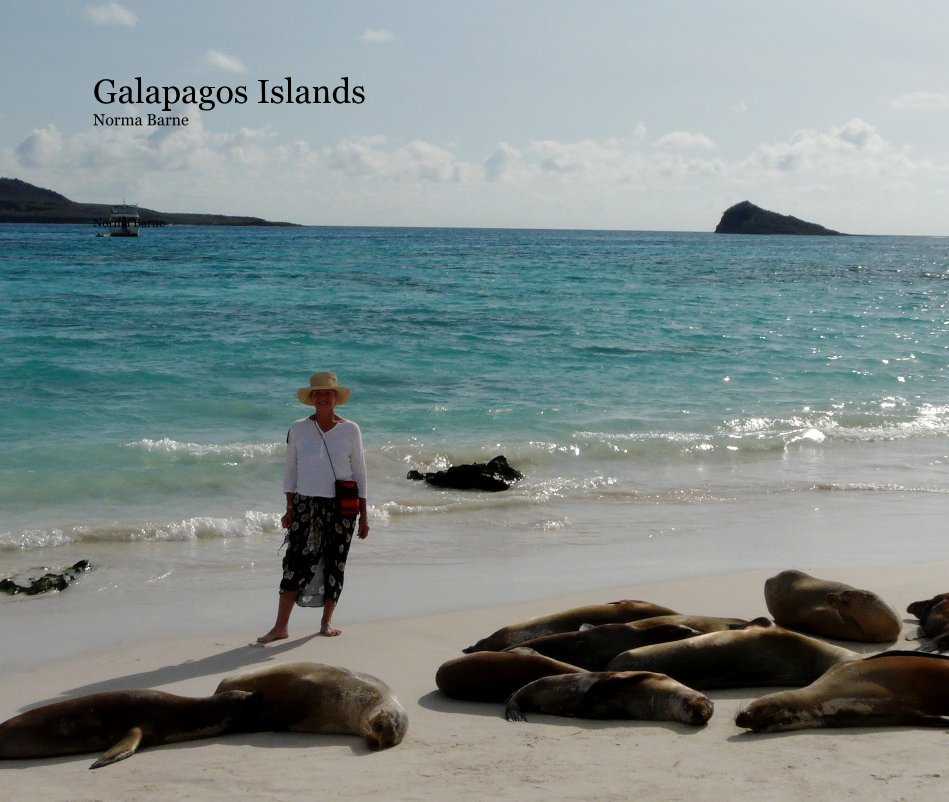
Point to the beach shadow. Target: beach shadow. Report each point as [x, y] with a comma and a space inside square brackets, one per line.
[257, 740]
[232, 660]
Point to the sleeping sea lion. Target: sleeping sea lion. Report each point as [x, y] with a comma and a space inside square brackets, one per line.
[611, 695]
[760, 654]
[823, 607]
[933, 615]
[617, 612]
[122, 722]
[592, 648]
[891, 689]
[314, 697]
[493, 676]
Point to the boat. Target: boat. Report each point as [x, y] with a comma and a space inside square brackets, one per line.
[124, 221]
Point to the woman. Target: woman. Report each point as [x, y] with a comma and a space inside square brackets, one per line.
[321, 448]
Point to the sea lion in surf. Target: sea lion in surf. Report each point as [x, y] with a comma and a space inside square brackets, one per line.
[933, 615]
[892, 689]
[611, 695]
[618, 612]
[824, 607]
[761, 654]
[494, 676]
[593, 647]
[314, 697]
[122, 722]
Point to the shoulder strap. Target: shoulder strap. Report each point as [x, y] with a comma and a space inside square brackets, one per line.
[318, 429]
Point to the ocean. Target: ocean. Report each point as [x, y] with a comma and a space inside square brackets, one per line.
[679, 403]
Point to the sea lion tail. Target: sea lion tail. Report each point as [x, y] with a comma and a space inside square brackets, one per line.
[124, 748]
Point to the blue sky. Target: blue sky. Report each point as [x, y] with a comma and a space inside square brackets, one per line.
[615, 115]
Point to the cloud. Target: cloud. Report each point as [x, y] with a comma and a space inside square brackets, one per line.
[686, 140]
[111, 14]
[41, 148]
[852, 148]
[921, 100]
[222, 61]
[377, 36]
[418, 160]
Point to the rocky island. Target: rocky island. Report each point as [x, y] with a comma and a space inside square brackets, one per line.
[746, 218]
[21, 202]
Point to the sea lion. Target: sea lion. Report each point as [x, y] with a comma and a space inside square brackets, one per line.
[313, 697]
[933, 615]
[592, 648]
[702, 623]
[892, 689]
[122, 722]
[760, 654]
[611, 695]
[823, 607]
[617, 612]
[493, 676]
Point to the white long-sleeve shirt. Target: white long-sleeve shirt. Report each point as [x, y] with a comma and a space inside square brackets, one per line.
[307, 469]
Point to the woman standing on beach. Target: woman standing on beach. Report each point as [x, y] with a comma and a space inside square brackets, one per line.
[321, 448]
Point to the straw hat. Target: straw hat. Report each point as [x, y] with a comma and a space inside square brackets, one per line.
[324, 380]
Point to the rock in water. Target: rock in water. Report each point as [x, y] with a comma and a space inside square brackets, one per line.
[746, 218]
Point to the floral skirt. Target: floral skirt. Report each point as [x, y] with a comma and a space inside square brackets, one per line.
[317, 544]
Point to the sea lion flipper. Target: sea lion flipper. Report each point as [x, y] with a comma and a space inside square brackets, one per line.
[512, 711]
[125, 747]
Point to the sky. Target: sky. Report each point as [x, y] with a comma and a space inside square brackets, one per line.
[601, 114]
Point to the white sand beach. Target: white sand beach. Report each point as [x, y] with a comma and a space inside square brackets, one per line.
[457, 750]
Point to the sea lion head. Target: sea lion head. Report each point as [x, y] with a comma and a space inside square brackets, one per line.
[386, 725]
[774, 713]
[695, 710]
[684, 704]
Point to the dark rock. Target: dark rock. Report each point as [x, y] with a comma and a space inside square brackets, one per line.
[48, 582]
[746, 218]
[490, 477]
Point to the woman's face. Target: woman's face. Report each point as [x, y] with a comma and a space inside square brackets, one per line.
[323, 399]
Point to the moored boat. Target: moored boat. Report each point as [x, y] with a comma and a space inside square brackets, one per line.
[124, 221]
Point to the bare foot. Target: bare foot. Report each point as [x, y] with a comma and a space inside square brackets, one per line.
[330, 632]
[272, 636]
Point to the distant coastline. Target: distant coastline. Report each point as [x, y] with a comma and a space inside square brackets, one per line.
[21, 202]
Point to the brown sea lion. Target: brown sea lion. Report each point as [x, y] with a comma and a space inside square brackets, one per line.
[892, 689]
[823, 607]
[493, 676]
[571, 620]
[760, 654]
[314, 697]
[702, 623]
[592, 648]
[611, 695]
[933, 615]
[122, 722]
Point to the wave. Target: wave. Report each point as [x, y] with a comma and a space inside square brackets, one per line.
[243, 452]
[252, 523]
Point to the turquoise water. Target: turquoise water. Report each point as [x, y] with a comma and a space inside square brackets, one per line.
[147, 384]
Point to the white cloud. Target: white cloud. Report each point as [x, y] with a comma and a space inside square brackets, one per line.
[111, 14]
[418, 160]
[378, 36]
[222, 61]
[853, 148]
[502, 162]
[40, 148]
[686, 140]
[921, 100]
